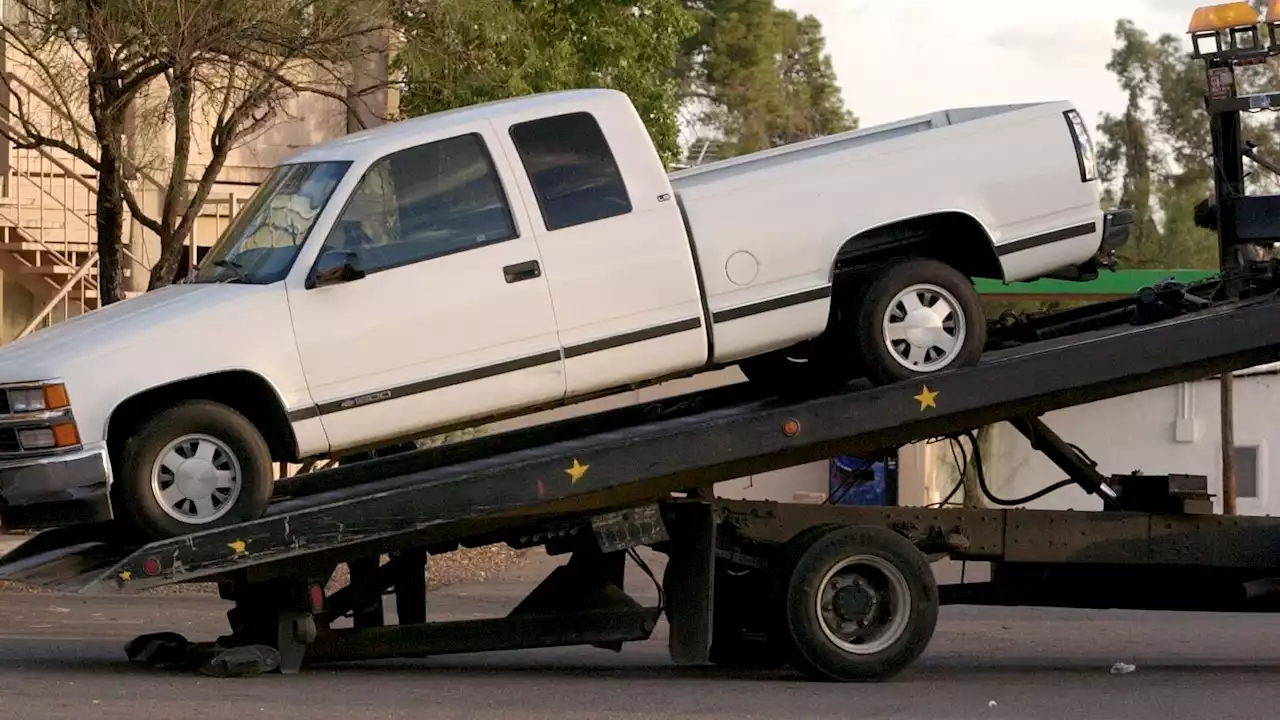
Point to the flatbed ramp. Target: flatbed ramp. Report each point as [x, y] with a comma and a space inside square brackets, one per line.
[427, 500]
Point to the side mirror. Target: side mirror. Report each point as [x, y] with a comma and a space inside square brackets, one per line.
[335, 267]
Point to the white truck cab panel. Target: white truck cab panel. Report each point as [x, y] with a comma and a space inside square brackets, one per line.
[613, 242]
[494, 260]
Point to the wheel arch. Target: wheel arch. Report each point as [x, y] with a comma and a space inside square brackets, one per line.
[924, 235]
[245, 391]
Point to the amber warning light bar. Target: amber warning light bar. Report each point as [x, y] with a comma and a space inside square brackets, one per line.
[1234, 31]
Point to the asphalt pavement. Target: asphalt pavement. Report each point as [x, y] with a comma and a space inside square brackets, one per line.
[62, 657]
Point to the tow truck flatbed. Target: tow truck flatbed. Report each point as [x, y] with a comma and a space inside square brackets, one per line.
[600, 485]
[418, 500]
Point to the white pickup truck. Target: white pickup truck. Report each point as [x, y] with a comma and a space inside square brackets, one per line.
[508, 257]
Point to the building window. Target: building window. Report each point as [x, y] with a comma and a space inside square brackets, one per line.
[572, 170]
[1247, 472]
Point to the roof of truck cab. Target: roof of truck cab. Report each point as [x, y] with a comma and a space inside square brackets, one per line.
[371, 144]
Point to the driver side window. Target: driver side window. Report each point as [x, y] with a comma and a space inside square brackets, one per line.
[424, 202]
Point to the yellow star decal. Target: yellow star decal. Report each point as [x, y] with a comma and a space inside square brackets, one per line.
[927, 398]
[126, 576]
[577, 470]
[238, 547]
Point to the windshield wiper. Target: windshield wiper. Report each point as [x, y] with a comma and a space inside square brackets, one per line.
[238, 273]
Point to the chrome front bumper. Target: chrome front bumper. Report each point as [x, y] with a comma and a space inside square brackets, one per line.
[55, 490]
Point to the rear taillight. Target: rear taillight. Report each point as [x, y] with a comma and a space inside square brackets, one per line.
[1084, 146]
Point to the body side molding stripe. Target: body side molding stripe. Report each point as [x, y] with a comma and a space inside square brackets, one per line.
[303, 413]
[778, 303]
[631, 338]
[422, 386]
[481, 373]
[1047, 238]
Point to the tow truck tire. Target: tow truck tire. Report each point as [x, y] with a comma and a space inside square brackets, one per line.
[191, 467]
[917, 317]
[860, 603]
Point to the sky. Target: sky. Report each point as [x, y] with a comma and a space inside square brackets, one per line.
[895, 59]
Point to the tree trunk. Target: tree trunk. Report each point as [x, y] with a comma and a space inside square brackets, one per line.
[110, 226]
[973, 495]
[107, 110]
[367, 90]
[174, 230]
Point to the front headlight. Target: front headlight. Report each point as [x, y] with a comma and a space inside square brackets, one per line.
[37, 439]
[36, 399]
[61, 434]
[36, 417]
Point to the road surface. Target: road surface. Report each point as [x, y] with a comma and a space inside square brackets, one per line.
[61, 657]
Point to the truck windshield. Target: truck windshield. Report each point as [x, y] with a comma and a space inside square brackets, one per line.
[259, 245]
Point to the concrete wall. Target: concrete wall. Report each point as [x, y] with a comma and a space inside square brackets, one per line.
[1170, 429]
[17, 307]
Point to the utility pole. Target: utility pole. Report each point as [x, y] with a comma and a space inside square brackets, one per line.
[1228, 444]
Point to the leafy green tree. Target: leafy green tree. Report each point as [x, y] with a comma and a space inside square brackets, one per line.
[760, 76]
[461, 52]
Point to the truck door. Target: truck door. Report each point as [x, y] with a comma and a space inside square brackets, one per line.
[622, 277]
[452, 317]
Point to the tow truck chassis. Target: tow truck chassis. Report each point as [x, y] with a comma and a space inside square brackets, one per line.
[839, 593]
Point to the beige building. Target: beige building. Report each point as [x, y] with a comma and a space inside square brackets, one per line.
[48, 256]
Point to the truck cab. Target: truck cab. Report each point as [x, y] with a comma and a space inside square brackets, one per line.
[480, 261]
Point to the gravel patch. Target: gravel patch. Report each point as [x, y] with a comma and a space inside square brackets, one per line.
[466, 565]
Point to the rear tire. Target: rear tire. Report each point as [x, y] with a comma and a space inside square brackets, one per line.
[192, 467]
[917, 317]
[860, 603]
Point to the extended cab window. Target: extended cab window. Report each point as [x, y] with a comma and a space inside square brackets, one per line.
[424, 202]
[572, 169]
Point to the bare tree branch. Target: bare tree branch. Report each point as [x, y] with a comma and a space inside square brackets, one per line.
[230, 69]
[135, 208]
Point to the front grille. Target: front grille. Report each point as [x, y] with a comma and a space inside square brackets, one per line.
[4, 403]
[9, 440]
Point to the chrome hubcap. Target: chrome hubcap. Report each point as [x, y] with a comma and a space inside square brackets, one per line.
[924, 328]
[863, 604]
[196, 479]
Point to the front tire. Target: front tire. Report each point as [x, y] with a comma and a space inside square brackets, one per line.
[918, 317]
[192, 467]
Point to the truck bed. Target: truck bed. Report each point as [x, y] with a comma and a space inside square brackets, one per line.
[846, 140]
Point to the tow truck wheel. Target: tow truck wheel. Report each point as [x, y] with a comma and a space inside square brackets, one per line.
[918, 316]
[861, 603]
[192, 467]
